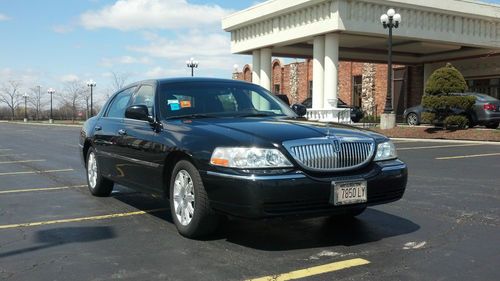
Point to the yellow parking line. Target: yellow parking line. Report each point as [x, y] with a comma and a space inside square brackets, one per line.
[40, 189]
[313, 270]
[468, 156]
[93, 218]
[35, 172]
[438, 146]
[22, 161]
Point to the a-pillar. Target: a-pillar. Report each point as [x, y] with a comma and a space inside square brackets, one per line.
[318, 72]
[331, 70]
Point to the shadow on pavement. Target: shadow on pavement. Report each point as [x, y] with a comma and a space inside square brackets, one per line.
[65, 235]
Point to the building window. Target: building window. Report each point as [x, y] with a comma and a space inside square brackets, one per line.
[276, 88]
[310, 92]
[485, 86]
[357, 90]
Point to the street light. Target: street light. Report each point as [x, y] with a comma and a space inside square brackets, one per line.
[191, 63]
[51, 92]
[235, 71]
[25, 96]
[91, 83]
[389, 20]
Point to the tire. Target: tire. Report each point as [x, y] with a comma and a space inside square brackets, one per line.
[189, 204]
[97, 184]
[412, 119]
[492, 125]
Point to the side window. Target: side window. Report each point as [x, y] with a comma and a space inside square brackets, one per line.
[228, 102]
[145, 96]
[119, 104]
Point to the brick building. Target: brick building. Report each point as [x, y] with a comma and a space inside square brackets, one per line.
[360, 84]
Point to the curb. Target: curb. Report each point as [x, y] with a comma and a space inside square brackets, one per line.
[44, 124]
[445, 141]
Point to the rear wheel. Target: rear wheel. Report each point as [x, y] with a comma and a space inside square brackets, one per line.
[412, 119]
[189, 202]
[98, 185]
[492, 125]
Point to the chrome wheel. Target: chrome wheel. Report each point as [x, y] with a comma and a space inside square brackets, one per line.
[412, 119]
[183, 197]
[92, 170]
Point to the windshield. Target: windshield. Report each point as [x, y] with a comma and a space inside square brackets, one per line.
[219, 99]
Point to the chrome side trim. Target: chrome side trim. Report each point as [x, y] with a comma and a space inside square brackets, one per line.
[393, 168]
[133, 160]
[298, 175]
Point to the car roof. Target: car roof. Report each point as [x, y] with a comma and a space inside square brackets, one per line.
[185, 80]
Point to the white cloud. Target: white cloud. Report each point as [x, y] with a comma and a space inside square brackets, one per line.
[69, 78]
[159, 72]
[153, 14]
[4, 17]
[109, 62]
[62, 28]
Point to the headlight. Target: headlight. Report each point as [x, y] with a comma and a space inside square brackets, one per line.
[385, 151]
[248, 157]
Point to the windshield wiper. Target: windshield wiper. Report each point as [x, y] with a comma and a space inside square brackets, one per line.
[191, 116]
[258, 115]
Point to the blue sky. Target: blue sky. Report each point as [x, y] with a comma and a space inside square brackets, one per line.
[52, 42]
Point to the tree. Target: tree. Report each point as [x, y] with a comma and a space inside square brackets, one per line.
[119, 80]
[36, 100]
[446, 107]
[73, 92]
[9, 94]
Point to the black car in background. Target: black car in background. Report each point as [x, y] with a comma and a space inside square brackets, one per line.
[356, 112]
[486, 112]
[218, 148]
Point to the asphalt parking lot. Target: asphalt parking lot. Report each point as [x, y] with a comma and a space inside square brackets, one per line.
[446, 227]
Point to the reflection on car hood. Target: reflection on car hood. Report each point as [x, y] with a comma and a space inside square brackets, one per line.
[279, 130]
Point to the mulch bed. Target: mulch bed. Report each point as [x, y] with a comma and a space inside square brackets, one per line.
[439, 133]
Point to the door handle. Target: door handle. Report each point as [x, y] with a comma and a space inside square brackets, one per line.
[97, 128]
[122, 132]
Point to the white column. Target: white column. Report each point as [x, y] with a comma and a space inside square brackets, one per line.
[256, 67]
[331, 70]
[265, 68]
[318, 72]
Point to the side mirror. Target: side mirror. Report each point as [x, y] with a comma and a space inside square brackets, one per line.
[300, 109]
[138, 112]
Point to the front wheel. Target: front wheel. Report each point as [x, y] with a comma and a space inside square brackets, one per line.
[492, 125]
[412, 119]
[189, 202]
[98, 185]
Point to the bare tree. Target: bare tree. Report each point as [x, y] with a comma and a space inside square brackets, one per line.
[73, 92]
[119, 80]
[36, 100]
[9, 94]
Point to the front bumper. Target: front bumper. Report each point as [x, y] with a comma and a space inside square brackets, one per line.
[297, 193]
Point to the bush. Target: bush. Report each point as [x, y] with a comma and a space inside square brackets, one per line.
[456, 121]
[444, 107]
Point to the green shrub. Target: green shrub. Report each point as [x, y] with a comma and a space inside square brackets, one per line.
[370, 119]
[456, 121]
[442, 104]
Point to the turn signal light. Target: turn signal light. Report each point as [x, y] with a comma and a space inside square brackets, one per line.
[489, 107]
[219, 162]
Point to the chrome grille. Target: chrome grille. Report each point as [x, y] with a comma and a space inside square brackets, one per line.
[330, 153]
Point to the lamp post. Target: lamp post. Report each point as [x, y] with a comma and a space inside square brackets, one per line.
[235, 72]
[25, 96]
[51, 92]
[389, 21]
[91, 83]
[191, 63]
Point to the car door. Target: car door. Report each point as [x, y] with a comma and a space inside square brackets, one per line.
[107, 138]
[137, 147]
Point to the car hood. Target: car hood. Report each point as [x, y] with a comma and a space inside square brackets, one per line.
[277, 130]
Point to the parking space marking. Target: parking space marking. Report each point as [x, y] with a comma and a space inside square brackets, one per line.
[438, 146]
[40, 189]
[92, 218]
[5, 149]
[22, 161]
[468, 156]
[35, 172]
[311, 271]
[7, 155]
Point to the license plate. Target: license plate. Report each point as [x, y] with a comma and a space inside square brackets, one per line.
[348, 192]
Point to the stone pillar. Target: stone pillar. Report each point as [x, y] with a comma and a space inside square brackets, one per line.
[256, 67]
[265, 68]
[331, 70]
[318, 72]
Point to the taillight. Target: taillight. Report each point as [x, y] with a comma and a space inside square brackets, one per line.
[489, 106]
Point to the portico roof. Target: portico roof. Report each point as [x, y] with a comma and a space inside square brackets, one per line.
[430, 30]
